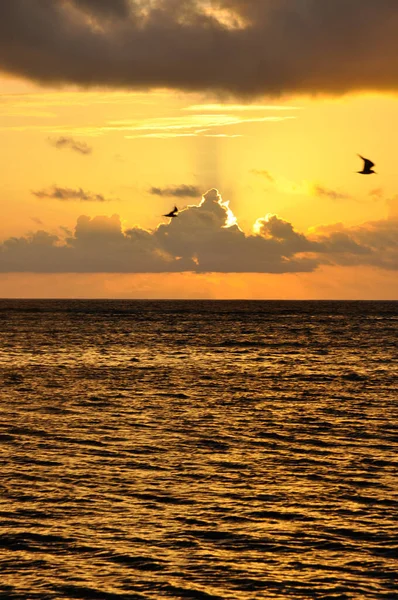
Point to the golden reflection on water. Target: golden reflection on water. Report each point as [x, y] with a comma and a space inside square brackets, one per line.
[197, 450]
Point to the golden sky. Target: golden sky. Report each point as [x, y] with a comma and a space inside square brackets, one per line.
[91, 160]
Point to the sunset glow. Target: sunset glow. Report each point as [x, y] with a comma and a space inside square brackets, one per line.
[198, 299]
[78, 149]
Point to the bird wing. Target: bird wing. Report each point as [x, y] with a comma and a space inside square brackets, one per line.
[368, 164]
[172, 213]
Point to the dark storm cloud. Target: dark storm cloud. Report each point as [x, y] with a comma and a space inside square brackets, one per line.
[66, 194]
[68, 142]
[203, 238]
[244, 47]
[104, 8]
[177, 191]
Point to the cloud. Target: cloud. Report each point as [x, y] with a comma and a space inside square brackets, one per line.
[377, 193]
[176, 191]
[188, 125]
[284, 185]
[243, 47]
[263, 173]
[205, 237]
[372, 244]
[40, 101]
[303, 187]
[323, 192]
[168, 136]
[200, 124]
[67, 194]
[214, 108]
[68, 142]
[104, 8]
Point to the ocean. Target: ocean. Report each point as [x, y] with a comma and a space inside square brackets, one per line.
[198, 450]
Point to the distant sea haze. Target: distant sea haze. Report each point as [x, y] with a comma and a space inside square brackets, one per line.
[198, 450]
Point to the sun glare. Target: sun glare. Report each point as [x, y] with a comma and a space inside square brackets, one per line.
[231, 219]
[258, 225]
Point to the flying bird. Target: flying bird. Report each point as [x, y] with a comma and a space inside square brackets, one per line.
[173, 213]
[367, 166]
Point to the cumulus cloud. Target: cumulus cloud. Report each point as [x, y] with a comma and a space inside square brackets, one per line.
[372, 244]
[176, 191]
[75, 145]
[68, 194]
[243, 47]
[205, 237]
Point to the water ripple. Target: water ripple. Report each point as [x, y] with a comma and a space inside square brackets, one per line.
[200, 450]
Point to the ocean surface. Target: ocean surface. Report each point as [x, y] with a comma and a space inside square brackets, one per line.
[198, 450]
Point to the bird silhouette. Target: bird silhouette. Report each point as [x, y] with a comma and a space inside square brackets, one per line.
[172, 213]
[367, 166]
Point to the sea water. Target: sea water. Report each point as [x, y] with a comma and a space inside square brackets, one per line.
[198, 450]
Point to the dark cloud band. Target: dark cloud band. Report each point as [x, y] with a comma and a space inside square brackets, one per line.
[68, 142]
[176, 191]
[66, 194]
[203, 238]
[244, 47]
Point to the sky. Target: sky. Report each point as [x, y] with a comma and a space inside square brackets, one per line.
[248, 115]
